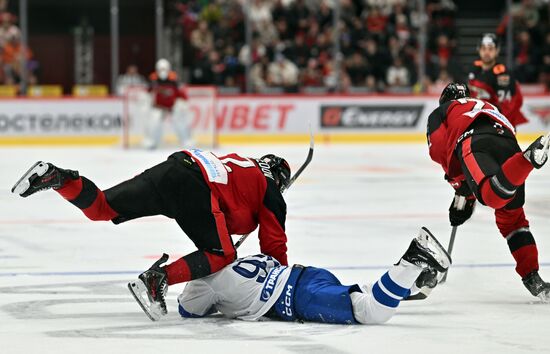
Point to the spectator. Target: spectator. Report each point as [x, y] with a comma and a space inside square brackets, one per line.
[267, 32]
[397, 75]
[131, 78]
[357, 69]
[300, 15]
[283, 73]
[545, 67]
[260, 11]
[12, 55]
[376, 22]
[525, 55]
[259, 74]
[233, 69]
[311, 76]
[202, 39]
[378, 59]
[211, 13]
[210, 71]
[324, 15]
[258, 51]
[7, 28]
[299, 52]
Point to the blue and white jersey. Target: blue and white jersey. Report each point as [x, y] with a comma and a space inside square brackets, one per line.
[245, 289]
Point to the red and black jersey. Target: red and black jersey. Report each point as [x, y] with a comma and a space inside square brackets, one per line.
[498, 86]
[248, 197]
[165, 92]
[448, 124]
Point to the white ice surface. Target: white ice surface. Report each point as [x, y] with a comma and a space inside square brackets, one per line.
[63, 278]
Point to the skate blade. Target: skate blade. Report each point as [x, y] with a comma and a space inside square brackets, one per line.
[445, 260]
[23, 184]
[139, 292]
[544, 297]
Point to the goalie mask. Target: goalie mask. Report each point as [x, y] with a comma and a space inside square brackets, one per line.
[454, 91]
[162, 68]
[279, 168]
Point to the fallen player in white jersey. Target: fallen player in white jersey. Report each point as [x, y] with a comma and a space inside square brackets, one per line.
[257, 286]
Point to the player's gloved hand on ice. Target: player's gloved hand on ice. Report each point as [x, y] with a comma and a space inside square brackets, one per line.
[461, 209]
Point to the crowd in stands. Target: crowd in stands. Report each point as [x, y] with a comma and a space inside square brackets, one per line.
[12, 51]
[531, 25]
[292, 46]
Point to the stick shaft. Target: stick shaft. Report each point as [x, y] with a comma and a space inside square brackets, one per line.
[292, 179]
[450, 250]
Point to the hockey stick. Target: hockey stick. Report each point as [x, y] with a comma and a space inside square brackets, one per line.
[460, 205]
[292, 179]
[449, 251]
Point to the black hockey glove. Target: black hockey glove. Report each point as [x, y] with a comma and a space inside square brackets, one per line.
[461, 209]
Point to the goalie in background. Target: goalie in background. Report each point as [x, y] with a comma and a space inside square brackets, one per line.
[166, 97]
[257, 286]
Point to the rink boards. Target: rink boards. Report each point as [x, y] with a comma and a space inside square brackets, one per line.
[244, 119]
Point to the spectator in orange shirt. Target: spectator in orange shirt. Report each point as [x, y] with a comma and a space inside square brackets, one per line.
[12, 54]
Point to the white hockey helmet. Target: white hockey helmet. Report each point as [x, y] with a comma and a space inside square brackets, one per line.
[163, 68]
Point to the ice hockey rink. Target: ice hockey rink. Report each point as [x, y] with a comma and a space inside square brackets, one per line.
[354, 211]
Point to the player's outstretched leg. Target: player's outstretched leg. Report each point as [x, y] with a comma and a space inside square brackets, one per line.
[42, 176]
[150, 290]
[430, 276]
[379, 303]
[538, 287]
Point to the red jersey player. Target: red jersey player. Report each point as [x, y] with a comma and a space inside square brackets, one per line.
[492, 82]
[210, 198]
[163, 85]
[477, 148]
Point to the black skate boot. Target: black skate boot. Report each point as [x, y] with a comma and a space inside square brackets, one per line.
[428, 278]
[154, 284]
[42, 176]
[536, 286]
[537, 152]
[425, 283]
[426, 252]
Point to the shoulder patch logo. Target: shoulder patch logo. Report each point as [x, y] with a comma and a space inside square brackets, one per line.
[503, 80]
[499, 69]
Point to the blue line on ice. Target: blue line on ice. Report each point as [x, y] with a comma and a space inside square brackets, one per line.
[136, 272]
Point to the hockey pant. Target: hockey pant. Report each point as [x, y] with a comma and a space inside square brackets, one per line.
[317, 295]
[496, 171]
[155, 122]
[176, 189]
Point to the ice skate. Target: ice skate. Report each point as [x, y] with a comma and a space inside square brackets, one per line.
[425, 283]
[150, 290]
[42, 176]
[536, 286]
[537, 152]
[426, 252]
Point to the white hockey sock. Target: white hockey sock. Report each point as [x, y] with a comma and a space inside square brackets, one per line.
[380, 303]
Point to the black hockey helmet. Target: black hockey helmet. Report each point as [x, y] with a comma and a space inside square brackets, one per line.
[454, 91]
[279, 168]
[488, 39]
